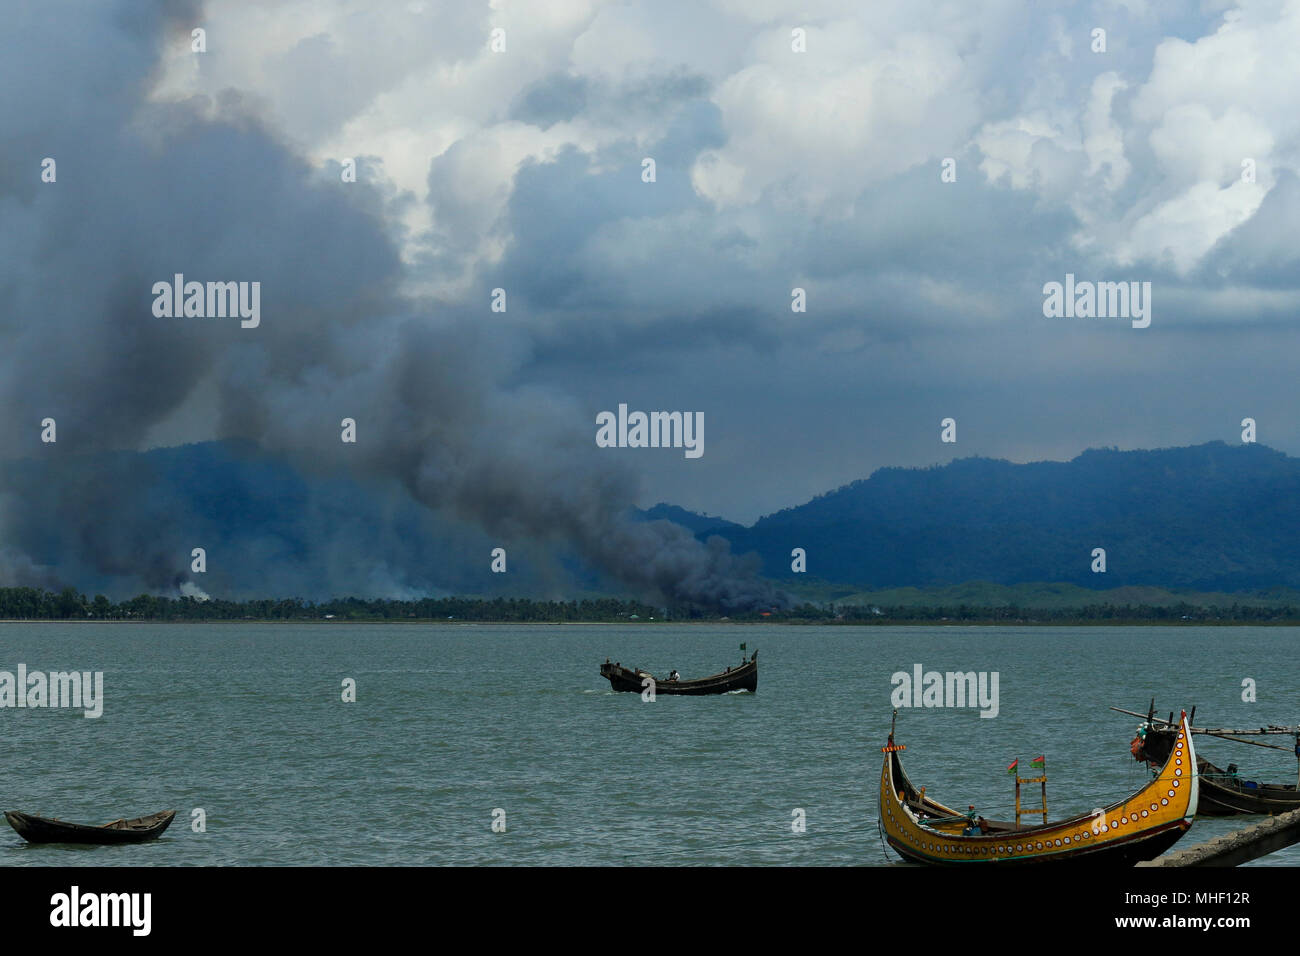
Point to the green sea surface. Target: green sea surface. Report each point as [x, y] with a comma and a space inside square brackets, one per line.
[452, 723]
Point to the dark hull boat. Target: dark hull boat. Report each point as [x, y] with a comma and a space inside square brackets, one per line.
[1140, 828]
[744, 677]
[46, 830]
[1223, 792]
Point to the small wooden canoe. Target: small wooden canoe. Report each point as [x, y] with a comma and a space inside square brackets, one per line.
[744, 677]
[922, 830]
[48, 830]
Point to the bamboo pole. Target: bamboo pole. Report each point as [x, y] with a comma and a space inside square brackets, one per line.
[1225, 733]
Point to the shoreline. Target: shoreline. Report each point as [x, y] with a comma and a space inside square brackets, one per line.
[913, 622]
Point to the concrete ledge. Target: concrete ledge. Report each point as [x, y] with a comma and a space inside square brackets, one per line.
[1240, 846]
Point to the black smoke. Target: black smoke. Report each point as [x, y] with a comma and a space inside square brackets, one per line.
[147, 189]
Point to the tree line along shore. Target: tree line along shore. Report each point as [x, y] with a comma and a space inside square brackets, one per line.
[36, 604]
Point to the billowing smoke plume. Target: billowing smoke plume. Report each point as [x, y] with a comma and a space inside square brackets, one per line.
[145, 190]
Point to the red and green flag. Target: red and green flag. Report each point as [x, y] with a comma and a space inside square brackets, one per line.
[1039, 763]
[1013, 769]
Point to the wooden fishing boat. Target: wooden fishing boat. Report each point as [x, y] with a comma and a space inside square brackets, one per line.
[35, 829]
[744, 677]
[1143, 826]
[1223, 792]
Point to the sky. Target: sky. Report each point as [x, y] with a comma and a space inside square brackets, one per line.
[921, 174]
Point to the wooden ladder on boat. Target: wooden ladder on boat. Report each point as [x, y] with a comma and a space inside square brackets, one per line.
[1028, 810]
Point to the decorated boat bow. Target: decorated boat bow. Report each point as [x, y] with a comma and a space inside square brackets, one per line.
[1141, 827]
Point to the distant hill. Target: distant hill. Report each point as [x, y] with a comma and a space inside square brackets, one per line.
[1176, 523]
[1210, 517]
[702, 525]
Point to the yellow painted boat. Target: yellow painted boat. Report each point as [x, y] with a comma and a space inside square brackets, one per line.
[922, 830]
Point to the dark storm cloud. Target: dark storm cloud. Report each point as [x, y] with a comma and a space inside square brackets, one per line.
[551, 100]
[925, 302]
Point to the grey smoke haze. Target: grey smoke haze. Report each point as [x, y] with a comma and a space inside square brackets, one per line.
[146, 190]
